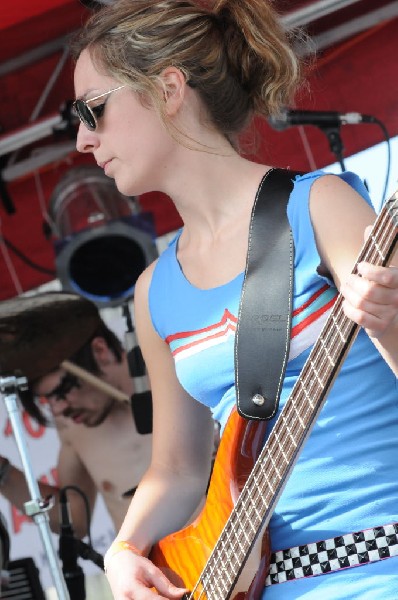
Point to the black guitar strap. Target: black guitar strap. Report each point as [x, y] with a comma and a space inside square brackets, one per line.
[262, 338]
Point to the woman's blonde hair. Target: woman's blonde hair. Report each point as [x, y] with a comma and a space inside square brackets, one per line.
[235, 53]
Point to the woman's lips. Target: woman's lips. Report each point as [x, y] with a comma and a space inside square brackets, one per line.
[102, 165]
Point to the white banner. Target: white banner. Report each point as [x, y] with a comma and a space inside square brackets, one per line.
[42, 449]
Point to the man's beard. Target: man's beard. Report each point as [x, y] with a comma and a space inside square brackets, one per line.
[96, 418]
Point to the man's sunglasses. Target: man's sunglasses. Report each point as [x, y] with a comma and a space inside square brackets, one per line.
[65, 386]
[88, 116]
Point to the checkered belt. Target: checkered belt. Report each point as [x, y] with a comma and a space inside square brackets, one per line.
[334, 554]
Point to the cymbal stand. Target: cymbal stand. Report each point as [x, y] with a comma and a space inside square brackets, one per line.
[36, 508]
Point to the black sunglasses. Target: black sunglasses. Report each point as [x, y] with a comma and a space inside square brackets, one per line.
[88, 116]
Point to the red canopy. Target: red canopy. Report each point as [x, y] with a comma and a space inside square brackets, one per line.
[356, 70]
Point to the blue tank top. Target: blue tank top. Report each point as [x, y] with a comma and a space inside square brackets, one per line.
[346, 477]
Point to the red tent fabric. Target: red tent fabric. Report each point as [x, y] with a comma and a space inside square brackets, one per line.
[356, 70]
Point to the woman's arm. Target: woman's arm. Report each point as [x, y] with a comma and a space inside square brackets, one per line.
[175, 483]
[341, 221]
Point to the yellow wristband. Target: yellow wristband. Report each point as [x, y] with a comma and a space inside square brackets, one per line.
[116, 547]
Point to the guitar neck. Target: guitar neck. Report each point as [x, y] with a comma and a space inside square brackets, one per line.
[267, 480]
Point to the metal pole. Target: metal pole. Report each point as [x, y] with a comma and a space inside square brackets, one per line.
[36, 508]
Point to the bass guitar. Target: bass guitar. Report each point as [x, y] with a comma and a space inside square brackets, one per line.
[224, 553]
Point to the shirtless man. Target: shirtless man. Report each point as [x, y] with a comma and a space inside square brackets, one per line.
[105, 447]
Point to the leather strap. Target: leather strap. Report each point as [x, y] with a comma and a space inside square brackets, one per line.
[263, 332]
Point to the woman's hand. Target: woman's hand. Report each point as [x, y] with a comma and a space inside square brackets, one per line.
[371, 298]
[134, 577]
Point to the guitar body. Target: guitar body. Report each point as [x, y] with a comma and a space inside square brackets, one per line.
[183, 555]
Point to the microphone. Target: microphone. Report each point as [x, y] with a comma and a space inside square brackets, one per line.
[323, 119]
[136, 362]
[68, 552]
[141, 401]
[87, 552]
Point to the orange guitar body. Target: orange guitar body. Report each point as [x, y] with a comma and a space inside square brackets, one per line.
[183, 555]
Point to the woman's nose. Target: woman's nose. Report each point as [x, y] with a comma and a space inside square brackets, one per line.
[86, 141]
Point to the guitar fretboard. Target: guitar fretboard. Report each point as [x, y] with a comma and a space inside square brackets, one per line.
[265, 484]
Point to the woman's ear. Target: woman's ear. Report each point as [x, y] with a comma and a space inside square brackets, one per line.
[173, 84]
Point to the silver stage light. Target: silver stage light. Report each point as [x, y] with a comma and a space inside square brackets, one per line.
[102, 240]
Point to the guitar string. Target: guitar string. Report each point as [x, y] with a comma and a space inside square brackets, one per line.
[219, 554]
[314, 365]
[266, 477]
[318, 383]
[317, 367]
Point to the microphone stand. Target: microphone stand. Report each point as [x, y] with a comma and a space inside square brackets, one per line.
[335, 143]
[70, 548]
[36, 508]
[73, 573]
[74, 578]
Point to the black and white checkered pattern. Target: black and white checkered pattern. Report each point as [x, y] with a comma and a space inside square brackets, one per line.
[342, 552]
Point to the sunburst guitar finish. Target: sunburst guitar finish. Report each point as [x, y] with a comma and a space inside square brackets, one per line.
[186, 556]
